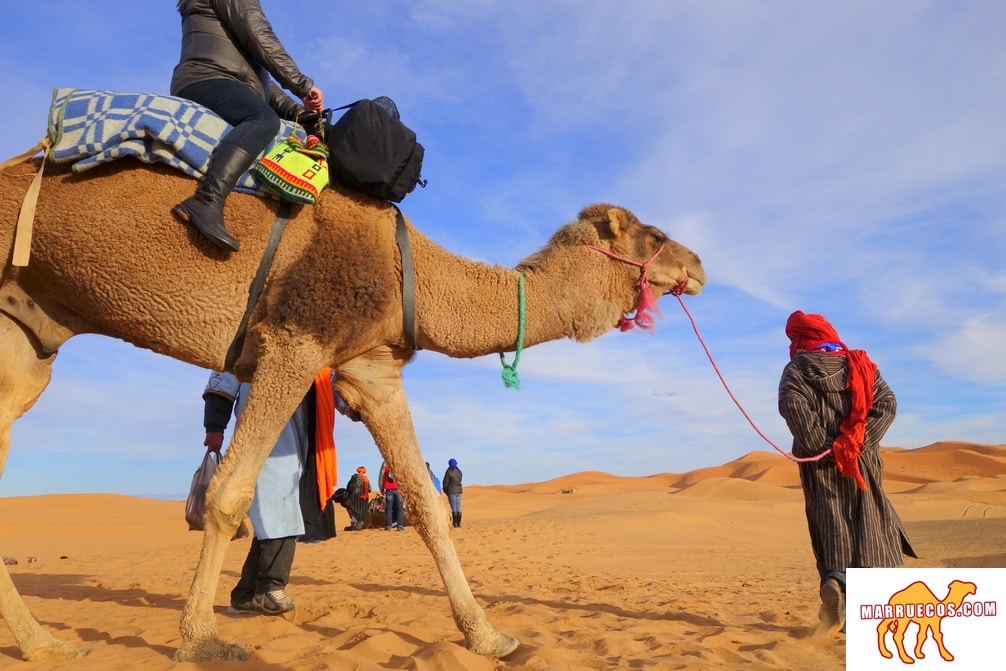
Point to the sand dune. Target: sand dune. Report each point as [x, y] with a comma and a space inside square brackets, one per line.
[703, 570]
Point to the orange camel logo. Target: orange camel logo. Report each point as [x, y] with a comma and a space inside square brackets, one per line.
[917, 603]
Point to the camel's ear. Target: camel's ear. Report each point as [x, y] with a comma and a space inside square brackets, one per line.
[617, 220]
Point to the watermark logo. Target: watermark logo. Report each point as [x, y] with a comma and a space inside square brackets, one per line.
[916, 604]
[929, 618]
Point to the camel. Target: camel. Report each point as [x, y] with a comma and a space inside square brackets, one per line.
[916, 597]
[108, 258]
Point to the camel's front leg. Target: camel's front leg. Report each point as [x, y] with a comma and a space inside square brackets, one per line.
[227, 500]
[384, 409]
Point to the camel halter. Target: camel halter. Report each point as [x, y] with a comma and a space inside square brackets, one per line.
[647, 303]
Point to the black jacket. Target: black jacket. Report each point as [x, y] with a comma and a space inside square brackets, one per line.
[452, 481]
[232, 39]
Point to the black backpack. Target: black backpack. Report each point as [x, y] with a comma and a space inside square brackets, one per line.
[372, 151]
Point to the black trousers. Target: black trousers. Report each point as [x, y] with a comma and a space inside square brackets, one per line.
[267, 567]
[254, 123]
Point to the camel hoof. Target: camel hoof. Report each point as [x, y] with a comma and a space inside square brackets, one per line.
[54, 651]
[499, 645]
[210, 650]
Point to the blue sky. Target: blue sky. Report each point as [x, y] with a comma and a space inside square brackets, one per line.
[841, 158]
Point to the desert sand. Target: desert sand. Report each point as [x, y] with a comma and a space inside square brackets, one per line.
[710, 569]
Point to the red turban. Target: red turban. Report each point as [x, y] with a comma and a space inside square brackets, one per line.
[806, 332]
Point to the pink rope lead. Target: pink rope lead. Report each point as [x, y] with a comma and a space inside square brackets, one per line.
[645, 321]
[788, 455]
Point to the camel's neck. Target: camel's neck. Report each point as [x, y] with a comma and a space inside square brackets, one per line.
[472, 309]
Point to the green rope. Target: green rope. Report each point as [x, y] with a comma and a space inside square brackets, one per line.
[510, 377]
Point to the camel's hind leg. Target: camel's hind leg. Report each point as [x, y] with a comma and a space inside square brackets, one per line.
[23, 376]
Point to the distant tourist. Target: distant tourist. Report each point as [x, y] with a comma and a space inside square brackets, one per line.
[358, 500]
[394, 507]
[834, 398]
[436, 481]
[452, 487]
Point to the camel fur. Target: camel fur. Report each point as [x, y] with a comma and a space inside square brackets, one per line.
[107, 257]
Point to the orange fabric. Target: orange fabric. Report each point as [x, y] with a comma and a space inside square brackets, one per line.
[324, 435]
[848, 443]
[807, 331]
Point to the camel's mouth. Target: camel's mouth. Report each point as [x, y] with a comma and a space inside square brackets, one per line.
[696, 276]
[688, 284]
[692, 286]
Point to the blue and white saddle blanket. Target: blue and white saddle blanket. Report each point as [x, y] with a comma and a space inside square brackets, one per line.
[89, 128]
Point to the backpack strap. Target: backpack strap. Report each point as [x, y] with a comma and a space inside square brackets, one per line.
[408, 281]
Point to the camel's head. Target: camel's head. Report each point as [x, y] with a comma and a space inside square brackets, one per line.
[616, 231]
[674, 267]
[638, 255]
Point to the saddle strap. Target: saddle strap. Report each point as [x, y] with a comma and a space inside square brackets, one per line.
[26, 217]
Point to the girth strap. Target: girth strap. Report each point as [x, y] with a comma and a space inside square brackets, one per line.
[255, 290]
[258, 283]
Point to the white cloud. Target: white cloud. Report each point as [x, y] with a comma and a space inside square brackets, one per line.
[973, 351]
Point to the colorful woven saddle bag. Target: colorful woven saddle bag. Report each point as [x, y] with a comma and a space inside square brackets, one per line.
[297, 170]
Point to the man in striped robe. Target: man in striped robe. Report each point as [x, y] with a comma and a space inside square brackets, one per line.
[835, 401]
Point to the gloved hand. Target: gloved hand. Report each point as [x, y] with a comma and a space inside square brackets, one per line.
[314, 101]
[214, 441]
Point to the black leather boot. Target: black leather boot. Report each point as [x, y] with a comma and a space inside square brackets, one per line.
[205, 210]
[459, 520]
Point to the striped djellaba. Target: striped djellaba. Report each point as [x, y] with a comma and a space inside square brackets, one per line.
[849, 527]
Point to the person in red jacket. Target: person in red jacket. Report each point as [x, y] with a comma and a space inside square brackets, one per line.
[394, 507]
